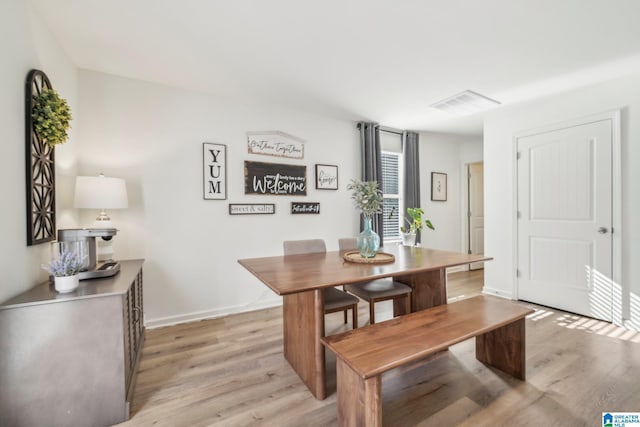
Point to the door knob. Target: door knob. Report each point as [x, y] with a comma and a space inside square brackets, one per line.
[603, 230]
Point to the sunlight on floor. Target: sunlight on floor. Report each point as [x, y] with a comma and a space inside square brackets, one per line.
[587, 324]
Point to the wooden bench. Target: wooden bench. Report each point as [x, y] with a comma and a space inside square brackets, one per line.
[364, 354]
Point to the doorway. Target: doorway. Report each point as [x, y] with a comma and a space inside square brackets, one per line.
[565, 205]
[475, 212]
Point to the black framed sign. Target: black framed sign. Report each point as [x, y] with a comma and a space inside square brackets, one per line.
[438, 186]
[275, 179]
[305, 208]
[251, 208]
[214, 171]
[326, 177]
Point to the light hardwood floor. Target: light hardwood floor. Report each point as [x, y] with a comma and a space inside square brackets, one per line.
[231, 372]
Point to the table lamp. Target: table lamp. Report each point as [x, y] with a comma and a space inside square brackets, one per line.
[101, 192]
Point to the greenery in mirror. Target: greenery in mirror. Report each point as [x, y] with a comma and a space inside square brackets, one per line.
[51, 117]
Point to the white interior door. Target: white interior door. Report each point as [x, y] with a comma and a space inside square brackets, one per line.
[565, 218]
[476, 212]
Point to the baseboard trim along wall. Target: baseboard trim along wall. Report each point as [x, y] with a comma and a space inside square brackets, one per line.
[498, 293]
[209, 314]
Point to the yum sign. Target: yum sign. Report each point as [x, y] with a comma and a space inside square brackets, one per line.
[214, 168]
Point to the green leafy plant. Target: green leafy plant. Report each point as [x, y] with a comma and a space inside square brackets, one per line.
[416, 221]
[415, 224]
[51, 116]
[366, 196]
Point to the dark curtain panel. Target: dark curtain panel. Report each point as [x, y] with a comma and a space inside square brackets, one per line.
[411, 173]
[371, 164]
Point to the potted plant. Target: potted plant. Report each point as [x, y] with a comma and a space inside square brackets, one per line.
[414, 225]
[368, 199]
[64, 270]
[51, 116]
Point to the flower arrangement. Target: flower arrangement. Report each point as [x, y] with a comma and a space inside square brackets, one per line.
[415, 224]
[366, 196]
[51, 116]
[67, 264]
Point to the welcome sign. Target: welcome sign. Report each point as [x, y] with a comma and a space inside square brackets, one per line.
[275, 179]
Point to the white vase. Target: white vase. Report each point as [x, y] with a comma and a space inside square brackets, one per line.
[66, 284]
[408, 239]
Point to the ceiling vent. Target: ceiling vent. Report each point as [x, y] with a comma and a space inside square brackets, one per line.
[464, 103]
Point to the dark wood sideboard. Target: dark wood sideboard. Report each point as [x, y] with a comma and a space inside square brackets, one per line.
[71, 359]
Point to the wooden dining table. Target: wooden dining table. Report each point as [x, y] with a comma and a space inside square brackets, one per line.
[300, 279]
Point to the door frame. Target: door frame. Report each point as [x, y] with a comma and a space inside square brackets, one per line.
[620, 309]
[465, 211]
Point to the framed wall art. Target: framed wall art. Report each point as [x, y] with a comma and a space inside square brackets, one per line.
[275, 179]
[275, 143]
[305, 208]
[326, 177]
[214, 171]
[252, 208]
[40, 171]
[438, 186]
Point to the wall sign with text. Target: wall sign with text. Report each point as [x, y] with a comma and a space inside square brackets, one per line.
[275, 179]
[275, 143]
[305, 208]
[214, 171]
[326, 177]
[251, 208]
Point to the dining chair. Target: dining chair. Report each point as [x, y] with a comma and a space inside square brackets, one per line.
[375, 290]
[334, 299]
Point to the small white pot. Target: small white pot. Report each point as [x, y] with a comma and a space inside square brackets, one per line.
[409, 239]
[66, 284]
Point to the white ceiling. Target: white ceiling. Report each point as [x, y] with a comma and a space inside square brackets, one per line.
[383, 61]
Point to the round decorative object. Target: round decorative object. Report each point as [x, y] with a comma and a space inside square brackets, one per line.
[51, 116]
[379, 258]
[64, 284]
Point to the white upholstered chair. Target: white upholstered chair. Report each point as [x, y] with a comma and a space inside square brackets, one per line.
[334, 299]
[375, 290]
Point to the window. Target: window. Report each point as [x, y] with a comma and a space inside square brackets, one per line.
[392, 186]
[391, 195]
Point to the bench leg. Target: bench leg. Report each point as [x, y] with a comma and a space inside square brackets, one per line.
[359, 402]
[504, 349]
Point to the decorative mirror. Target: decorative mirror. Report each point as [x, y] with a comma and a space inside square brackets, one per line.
[40, 171]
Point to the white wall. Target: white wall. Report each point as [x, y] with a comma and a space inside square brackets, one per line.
[446, 153]
[152, 136]
[499, 129]
[25, 44]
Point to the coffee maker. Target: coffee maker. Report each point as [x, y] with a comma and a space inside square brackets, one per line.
[94, 269]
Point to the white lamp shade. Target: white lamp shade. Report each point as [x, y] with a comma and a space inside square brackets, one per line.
[100, 192]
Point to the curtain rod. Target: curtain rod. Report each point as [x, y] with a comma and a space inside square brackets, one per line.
[384, 128]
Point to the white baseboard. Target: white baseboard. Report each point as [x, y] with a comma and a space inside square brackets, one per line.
[209, 314]
[497, 292]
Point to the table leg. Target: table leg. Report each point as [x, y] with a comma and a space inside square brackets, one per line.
[429, 290]
[359, 402]
[303, 322]
[504, 348]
